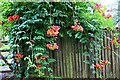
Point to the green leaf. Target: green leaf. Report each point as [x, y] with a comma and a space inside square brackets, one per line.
[26, 58]
[38, 38]
[83, 40]
[50, 70]
[45, 63]
[43, 68]
[69, 33]
[96, 59]
[63, 15]
[37, 20]
[40, 32]
[18, 75]
[78, 35]
[38, 54]
[51, 60]
[39, 48]
[86, 54]
[91, 26]
[61, 34]
[15, 45]
[26, 74]
[86, 62]
[55, 14]
[24, 38]
[19, 32]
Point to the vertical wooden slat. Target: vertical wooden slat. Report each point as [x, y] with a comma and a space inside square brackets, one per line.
[113, 61]
[58, 53]
[105, 56]
[103, 53]
[73, 60]
[95, 53]
[119, 64]
[63, 66]
[76, 61]
[116, 62]
[116, 59]
[83, 64]
[97, 75]
[119, 59]
[86, 70]
[80, 59]
[54, 53]
[109, 58]
[70, 57]
[51, 65]
[59, 58]
[67, 58]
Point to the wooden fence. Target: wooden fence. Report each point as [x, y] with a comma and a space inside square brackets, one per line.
[69, 59]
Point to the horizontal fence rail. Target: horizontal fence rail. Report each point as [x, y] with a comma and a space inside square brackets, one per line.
[70, 60]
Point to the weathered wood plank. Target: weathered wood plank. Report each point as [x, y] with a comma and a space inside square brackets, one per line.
[62, 60]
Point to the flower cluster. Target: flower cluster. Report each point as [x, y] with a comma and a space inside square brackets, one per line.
[37, 61]
[106, 15]
[42, 57]
[104, 62]
[53, 31]
[98, 5]
[77, 28]
[107, 47]
[101, 9]
[13, 18]
[115, 41]
[52, 47]
[38, 66]
[18, 55]
[100, 66]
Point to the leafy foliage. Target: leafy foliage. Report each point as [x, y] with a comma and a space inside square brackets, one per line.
[28, 35]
